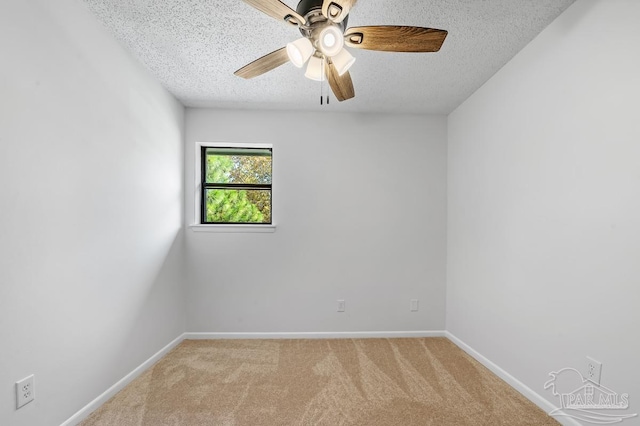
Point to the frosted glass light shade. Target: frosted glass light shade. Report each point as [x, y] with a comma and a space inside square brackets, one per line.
[331, 40]
[314, 69]
[343, 61]
[299, 51]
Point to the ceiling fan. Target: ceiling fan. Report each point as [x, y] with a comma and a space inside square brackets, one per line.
[322, 24]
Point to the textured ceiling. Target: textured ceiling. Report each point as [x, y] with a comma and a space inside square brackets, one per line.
[193, 47]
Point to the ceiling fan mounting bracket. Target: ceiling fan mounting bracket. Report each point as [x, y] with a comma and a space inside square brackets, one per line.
[356, 38]
[334, 10]
[293, 21]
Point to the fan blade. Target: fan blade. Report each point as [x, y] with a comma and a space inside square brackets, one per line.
[395, 38]
[278, 10]
[264, 64]
[337, 10]
[342, 86]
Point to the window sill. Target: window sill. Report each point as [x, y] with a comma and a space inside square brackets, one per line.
[233, 228]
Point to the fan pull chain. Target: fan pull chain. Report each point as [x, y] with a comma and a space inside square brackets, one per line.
[322, 82]
[324, 75]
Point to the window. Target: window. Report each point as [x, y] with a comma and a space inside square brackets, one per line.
[235, 185]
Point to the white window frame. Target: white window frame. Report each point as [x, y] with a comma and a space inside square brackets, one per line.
[214, 227]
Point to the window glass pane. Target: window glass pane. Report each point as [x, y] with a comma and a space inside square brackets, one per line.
[243, 166]
[238, 206]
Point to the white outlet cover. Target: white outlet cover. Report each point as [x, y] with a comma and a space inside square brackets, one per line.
[414, 305]
[594, 370]
[25, 391]
[340, 305]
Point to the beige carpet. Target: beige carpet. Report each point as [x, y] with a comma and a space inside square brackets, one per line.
[371, 382]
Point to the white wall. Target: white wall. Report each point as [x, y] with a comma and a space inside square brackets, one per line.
[544, 203]
[90, 210]
[360, 205]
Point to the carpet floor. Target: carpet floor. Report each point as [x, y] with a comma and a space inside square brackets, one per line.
[368, 382]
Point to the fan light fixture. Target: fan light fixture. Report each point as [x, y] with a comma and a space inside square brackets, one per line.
[314, 69]
[323, 24]
[343, 61]
[331, 40]
[300, 51]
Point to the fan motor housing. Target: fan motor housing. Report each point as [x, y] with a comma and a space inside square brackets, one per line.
[312, 12]
[305, 6]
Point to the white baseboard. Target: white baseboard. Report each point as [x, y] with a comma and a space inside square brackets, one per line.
[512, 381]
[316, 335]
[106, 395]
[109, 393]
[525, 390]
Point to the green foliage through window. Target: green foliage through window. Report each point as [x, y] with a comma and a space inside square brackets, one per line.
[236, 185]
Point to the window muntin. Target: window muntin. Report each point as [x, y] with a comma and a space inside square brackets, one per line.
[236, 185]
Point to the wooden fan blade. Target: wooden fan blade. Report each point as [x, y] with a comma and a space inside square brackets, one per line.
[337, 10]
[342, 86]
[391, 38]
[278, 10]
[264, 64]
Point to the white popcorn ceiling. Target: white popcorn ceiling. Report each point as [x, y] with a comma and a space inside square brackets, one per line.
[193, 48]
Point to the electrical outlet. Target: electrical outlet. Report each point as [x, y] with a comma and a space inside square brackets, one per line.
[414, 305]
[25, 392]
[340, 305]
[594, 368]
